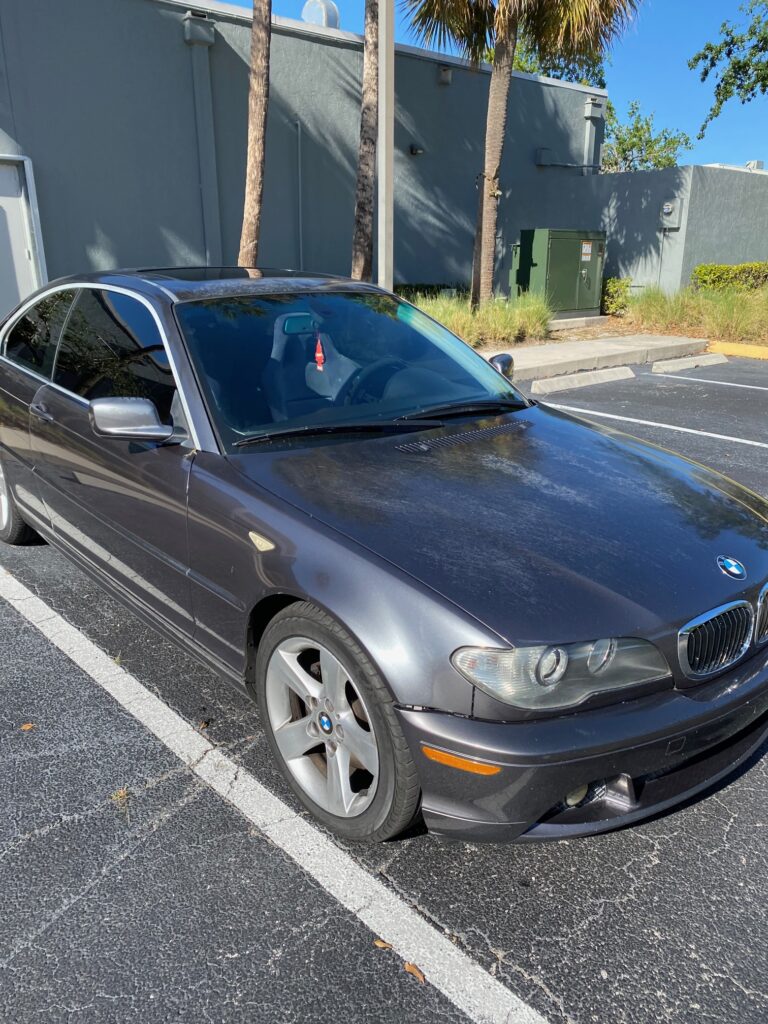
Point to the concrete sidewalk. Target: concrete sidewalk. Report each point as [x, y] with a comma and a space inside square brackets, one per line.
[535, 362]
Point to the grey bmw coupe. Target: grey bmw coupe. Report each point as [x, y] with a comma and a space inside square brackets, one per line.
[447, 600]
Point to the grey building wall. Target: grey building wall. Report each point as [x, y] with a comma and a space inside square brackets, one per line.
[110, 103]
[721, 216]
[628, 208]
[728, 218]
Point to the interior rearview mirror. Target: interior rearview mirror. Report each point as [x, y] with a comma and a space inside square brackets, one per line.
[504, 363]
[298, 323]
[129, 418]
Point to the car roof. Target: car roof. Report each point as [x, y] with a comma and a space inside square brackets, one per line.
[182, 284]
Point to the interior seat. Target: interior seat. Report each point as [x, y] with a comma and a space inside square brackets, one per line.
[293, 383]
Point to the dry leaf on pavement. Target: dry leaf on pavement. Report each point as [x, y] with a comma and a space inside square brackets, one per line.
[414, 970]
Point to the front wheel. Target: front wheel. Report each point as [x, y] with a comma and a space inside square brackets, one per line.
[332, 727]
[13, 529]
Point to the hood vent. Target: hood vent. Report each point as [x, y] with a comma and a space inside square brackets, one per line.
[448, 440]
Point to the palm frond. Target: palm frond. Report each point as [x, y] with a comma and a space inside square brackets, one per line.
[553, 27]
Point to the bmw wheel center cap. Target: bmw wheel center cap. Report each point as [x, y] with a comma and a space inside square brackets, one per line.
[731, 567]
[325, 723]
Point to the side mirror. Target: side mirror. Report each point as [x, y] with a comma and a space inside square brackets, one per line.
[504, 363]
[130, 418]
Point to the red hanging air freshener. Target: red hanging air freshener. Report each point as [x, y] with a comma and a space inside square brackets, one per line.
[319, 354]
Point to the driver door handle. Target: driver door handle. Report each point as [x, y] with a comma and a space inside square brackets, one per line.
[40, 411]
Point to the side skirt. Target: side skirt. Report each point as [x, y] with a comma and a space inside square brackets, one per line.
[184, 642]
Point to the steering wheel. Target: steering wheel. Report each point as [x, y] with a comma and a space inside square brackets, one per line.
[357, 389]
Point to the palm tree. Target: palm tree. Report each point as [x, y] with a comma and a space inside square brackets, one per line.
[477, 27]
[362, 238]
[258, 101]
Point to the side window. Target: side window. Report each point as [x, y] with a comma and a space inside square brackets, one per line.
[111, 347]
[31, 342]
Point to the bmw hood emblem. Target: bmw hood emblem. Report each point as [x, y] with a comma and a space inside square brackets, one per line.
[731, 567]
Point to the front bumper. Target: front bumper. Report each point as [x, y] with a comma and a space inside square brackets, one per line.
[638, 758]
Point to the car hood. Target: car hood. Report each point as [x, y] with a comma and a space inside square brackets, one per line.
[540, 526]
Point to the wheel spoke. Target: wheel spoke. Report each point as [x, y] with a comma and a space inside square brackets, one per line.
[361, 744]
[294, 740]
[290, 673]
[339, 790]
[334, 679]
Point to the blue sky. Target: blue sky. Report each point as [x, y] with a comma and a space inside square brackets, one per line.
[650, 64]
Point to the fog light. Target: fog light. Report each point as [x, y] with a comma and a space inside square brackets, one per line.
[575, 797]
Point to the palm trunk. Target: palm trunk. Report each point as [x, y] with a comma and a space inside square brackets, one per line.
[258, 101]
[495, 130]
[362, 238]
[474, 290]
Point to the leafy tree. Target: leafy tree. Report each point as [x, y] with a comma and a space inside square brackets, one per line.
[739, 61]
[258, 102]
[563, 27]
[636, 146]
[584, 69]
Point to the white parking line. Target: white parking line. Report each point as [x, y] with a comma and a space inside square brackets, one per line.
[662, 426]
[704, 380]
[463, 981]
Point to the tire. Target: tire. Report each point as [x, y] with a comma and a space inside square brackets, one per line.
[304, 661]
[13, 529]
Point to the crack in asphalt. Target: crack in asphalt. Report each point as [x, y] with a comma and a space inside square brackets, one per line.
[122, 852]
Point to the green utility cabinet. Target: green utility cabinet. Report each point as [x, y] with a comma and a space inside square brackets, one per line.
[564, 266]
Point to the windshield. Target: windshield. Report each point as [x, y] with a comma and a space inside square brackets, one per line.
[311, 359]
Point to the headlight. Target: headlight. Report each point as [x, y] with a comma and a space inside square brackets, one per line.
[560, 676]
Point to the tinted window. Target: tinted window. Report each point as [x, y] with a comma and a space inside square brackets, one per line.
[32, 341]
[111, 347]
[323, 358]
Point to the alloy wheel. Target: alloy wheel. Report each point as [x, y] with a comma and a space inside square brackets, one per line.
[322, 727]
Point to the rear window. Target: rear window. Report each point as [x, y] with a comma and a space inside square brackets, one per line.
[112, 348]
[31, 342]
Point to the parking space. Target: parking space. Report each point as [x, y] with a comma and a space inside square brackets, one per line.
[140, 894]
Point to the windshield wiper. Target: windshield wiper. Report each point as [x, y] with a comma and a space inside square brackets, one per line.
[361, 427]
[466, 408]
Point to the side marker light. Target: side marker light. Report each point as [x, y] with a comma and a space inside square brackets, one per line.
[464, 764]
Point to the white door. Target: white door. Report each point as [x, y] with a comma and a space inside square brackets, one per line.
[20, 258]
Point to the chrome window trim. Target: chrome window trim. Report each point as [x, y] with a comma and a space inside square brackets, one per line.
[44, 380]
[762, 601]
[684, 631]
[77, 286]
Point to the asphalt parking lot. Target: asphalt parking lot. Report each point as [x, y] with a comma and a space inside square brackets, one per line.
[132, 890]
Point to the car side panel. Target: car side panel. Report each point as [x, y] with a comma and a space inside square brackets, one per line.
[17, 389]
[119, 505]
[246, 545]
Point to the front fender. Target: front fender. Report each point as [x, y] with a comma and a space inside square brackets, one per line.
[246, 545]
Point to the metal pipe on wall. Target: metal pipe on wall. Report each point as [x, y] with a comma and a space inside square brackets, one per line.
[299, 197]
[199, 35]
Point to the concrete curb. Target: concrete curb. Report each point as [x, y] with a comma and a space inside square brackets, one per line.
[670, 365]
[580, 380]
[570, 323]
[538, 362]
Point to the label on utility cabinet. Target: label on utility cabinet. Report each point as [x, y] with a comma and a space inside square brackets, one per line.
[586, 252]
